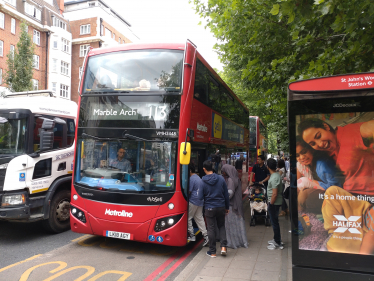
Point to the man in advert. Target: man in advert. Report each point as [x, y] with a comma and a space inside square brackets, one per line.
[120, 162]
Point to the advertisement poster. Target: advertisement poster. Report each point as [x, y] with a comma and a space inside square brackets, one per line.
[335, 171]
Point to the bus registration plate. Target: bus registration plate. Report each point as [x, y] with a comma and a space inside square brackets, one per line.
[120, 235]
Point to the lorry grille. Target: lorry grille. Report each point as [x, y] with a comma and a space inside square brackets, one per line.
[2, 178]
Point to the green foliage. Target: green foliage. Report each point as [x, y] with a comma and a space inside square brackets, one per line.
[265, 45]
[20, 63]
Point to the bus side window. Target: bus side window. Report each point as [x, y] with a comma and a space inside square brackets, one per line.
[201, 84]
[185, 180]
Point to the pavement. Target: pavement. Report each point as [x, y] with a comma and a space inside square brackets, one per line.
[253, 263]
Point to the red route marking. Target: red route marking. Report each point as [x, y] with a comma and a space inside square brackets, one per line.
[171, 269]
[163, 266]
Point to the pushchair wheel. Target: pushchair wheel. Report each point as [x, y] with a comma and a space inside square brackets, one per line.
[267, 222]
[253, 222]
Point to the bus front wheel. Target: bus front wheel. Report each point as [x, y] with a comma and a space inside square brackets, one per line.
[59, 213]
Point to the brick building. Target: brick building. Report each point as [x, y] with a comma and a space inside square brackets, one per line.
[51, 35]
[93, 24]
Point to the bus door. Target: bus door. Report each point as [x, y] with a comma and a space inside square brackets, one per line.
[198, 156]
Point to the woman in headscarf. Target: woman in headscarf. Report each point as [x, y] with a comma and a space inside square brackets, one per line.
[234, 222]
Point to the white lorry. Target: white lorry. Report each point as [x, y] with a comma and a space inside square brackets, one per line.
[37, 133]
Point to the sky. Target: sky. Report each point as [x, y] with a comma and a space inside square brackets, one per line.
[168, 21]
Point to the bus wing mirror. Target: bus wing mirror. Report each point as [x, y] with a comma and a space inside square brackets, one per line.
[185, 153]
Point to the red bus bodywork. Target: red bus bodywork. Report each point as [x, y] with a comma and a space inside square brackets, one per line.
[142, 224]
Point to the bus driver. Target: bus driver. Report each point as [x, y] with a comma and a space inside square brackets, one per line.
[120, 162]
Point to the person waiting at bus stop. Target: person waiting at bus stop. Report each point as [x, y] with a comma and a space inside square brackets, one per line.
[120, 162]
[261, 172]
[195, 208]
[216, 203]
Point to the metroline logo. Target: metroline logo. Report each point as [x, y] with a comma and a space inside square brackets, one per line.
[345, 224]
[122, 213]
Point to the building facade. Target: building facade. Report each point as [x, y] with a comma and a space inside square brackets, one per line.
[93, 25]
[51, 35]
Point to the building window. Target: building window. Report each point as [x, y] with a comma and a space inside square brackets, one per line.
[55, 44]
[59, 23]
[64, 91]
[83, 49]
[35, 84]
[13, 26]
[64, 68]
[2, 20]
[101, 30]
[1, 48]
[54, 65]
[32, 11]
[108, 33]
[92, 4]
[36, 38]
[12, 48]
[1, 76]
[36, 61]
[86, 29]
[54, 87]
[114, 36]
[65, 46]
[12, 2]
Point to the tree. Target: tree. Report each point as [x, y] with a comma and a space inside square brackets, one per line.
[266, 44]
[20, 63]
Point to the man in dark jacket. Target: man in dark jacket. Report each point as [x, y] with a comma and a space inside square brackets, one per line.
[217, 203]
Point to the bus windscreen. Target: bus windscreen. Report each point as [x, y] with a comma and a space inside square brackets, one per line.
[128, 71]
[126, 166]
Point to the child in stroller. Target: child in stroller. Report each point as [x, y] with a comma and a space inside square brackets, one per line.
[258, 202]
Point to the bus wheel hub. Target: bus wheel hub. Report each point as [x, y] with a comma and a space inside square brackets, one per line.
[63, 210]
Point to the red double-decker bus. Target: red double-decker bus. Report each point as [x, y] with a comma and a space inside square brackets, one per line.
[139, 103]
[257, 140]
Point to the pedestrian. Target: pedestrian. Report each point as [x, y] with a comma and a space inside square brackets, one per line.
[239, 165]
[261, 172]
[287, 164]
[216, 204]
[217, 160]
[283, 173]
[274, 193]
[234, 222]
[195, 208]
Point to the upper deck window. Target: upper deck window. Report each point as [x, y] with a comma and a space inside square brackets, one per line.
[148, 70]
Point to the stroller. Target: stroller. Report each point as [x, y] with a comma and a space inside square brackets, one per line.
[258, 205]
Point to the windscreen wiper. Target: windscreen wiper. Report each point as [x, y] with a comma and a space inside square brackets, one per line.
[125, 136]
[105, 91]
[133, 137]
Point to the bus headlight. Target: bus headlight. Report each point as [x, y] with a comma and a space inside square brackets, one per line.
[165, 223]
[17, 199]
[78, 214]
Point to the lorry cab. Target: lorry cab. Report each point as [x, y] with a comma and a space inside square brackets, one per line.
[36, 158]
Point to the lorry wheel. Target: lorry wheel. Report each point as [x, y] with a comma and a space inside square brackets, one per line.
[59, 213]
